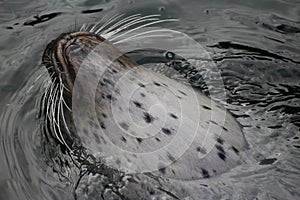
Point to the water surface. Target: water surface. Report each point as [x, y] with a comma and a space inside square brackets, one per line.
[254, 44]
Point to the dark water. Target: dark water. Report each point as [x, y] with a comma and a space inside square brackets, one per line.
[256, 47]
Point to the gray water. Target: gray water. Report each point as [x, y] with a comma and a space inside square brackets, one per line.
[256, 47]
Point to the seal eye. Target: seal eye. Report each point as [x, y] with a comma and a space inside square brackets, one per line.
[170, 55]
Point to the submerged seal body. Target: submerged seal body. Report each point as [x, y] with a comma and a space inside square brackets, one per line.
[144, 121]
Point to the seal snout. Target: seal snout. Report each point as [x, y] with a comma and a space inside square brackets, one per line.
[61, 55]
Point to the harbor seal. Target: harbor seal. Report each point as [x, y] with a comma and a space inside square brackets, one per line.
[143, 121]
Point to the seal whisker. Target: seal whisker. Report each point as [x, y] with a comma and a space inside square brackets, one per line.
[83, 27]
[98, 24]
[126, 26]
[48, 84]
[142, 37]
[103, 19]
[129, 20]
[38, 78]
[141, 34]
[56, 122]
[66, 105]
[132, 23]
[63, 88]
[59, 108]
[144, 25]
[52, 105]
[46, 91]
[122, 22]
[50, 89]
[66, 88]
[50, 67]
[46, 105]
[111, 20]
[64, 120]
[50, 113]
